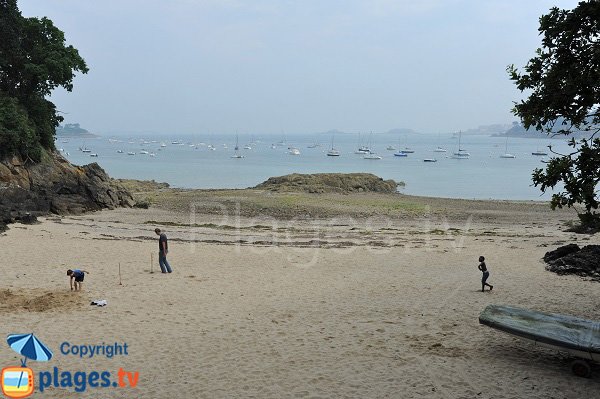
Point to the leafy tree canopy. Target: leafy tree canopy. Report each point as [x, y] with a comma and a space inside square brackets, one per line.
[563, 86]
[34, 60]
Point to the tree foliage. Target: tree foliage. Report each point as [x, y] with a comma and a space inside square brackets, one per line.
[17, 132]
[563, 86]
[34, 60]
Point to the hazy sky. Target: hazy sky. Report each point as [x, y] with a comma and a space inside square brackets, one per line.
[200, 66]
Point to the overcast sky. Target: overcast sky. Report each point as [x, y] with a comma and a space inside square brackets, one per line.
[200, 66]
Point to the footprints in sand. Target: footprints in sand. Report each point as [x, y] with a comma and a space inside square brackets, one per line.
[432, 345]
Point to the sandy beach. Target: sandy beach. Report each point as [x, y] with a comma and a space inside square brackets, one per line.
[332, 297]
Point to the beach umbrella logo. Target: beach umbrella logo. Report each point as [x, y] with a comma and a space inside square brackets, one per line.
[17, 382]
[30, 347]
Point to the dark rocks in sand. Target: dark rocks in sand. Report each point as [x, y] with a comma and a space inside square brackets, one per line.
[344, 183]
[27, 218]
[570, 259]
[55, 186]
[560, 252]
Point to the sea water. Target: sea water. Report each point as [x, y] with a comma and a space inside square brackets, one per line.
[192, 164]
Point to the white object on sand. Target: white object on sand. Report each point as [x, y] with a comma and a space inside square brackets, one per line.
[100, 302]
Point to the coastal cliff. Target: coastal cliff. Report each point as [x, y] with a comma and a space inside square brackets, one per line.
[56, 186]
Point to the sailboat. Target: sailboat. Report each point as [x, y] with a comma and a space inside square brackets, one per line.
[315, 144]
[281, 143]
[84, 149]
[400, 153]
[237, 149]
[539, 153]
[333, 152]
[439, 148]
[211, 147]
[506, 154]
[371, 154]
[406, 149]
[362, 149]
[460, 154]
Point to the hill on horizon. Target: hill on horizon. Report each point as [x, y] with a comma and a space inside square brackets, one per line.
[73, 130]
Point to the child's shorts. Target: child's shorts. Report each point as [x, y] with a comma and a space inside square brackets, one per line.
[485, 277]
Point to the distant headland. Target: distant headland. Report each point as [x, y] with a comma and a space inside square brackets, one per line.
[518, 130]
[73, 130]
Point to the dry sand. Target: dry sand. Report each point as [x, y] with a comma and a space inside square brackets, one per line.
[343, 307]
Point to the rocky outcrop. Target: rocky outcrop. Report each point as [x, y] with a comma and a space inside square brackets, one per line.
[570, 259]
[142, 186]
[56, 186]
[559, 252]
[330, 183]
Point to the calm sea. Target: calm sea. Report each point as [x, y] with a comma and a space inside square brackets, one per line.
[192, 164]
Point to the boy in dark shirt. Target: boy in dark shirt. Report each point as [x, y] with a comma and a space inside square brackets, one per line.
[78, 276]
[486, 274]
